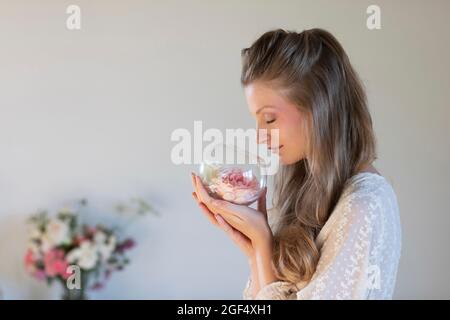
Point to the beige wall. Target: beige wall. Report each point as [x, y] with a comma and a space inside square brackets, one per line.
[90, 112]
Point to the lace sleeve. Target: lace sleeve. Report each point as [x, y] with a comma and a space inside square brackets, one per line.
[360, 253]
[275, 291]
[246, 294]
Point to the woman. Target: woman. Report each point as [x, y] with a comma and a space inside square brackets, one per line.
[334, 231]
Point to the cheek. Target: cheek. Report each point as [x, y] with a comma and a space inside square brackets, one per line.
[292, 136]
[291, 132]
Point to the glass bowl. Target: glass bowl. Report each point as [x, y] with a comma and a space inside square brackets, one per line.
[236, 177]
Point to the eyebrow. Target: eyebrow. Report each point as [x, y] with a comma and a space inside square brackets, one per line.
[263, 107]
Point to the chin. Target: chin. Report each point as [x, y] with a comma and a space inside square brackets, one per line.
[289, 160]
[285, 161]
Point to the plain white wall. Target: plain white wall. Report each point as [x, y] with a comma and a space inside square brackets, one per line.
[89, 113]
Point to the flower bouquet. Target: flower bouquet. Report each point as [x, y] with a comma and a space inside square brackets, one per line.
[78, 256]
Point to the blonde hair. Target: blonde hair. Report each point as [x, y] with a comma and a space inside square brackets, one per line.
[313, 71]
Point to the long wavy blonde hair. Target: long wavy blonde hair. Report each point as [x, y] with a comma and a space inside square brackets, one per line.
[313, 71]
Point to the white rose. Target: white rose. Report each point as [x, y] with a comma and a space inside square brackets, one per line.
[85, 255]
[57, 232]
[99, 237]
[46, 243]
[34, 232]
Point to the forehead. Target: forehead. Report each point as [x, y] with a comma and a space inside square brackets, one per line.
[259, 95]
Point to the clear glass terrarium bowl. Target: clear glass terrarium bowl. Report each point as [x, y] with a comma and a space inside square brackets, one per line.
[233, 174]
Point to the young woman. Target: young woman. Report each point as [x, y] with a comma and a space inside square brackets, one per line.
[334, 229]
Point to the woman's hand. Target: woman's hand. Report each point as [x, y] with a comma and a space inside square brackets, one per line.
[238, 238]
[248, 227]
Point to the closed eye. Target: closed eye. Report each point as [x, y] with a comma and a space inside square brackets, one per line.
[270, 121]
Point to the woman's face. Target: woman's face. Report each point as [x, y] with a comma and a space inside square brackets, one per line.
[273, 111]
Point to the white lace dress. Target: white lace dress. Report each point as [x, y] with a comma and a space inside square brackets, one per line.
[359, 246]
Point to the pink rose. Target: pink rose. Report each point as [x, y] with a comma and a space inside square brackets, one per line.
[30, 265]
[30, 261]
[235, 185]
[55, 264]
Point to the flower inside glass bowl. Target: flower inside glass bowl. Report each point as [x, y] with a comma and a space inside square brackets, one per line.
[239, 183]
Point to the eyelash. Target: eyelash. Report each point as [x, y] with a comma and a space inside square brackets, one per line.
[269, 122]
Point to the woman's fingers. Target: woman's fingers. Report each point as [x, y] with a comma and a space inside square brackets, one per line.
[193, 179]
[206, 203]
[208, 214]
[240, 239]
[205, 210]
[201, 192]
[202, 198]
[222, 207]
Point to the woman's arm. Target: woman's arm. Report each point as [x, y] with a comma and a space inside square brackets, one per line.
[254, 281]
[264, 263]
[261, 267]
